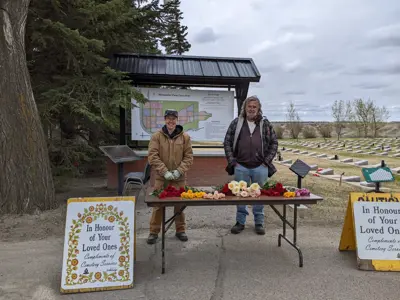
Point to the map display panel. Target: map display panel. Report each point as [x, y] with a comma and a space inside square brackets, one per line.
[204, 114]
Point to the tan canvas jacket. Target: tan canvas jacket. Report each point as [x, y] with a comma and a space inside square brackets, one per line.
[168, 154]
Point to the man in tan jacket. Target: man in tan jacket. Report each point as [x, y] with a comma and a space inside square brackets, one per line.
[171, 156]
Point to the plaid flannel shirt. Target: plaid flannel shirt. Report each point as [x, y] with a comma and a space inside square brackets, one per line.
[269, 142]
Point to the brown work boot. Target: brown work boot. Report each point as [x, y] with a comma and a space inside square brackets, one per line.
[152, 239]
[181, 236]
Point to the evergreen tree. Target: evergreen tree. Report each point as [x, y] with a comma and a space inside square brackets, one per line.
[68, 46]
[174, 40]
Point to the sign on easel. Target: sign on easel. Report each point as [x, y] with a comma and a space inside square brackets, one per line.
[372, 228]
[99, 244]
[377, 230]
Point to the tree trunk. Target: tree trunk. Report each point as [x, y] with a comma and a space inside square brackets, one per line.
[26, 182]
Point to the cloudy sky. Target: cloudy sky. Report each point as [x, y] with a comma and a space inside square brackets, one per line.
[309, 52]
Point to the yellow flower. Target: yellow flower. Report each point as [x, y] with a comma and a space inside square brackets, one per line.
[289, 194]
[190, 191]
[184, 195]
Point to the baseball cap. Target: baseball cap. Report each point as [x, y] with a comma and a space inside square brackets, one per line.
[171, 112]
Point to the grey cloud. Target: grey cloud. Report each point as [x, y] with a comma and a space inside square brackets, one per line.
[386, 36]
[391, 69]
[206, 35]
[268, 69]
[333, 93]
[371, 86]
[294, 93]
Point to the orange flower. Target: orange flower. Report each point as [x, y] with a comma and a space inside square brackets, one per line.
[74, 276]
[89, 220]
[91, 208]
[110, 207]
[76, 251]
[75, 242]
[111, 219]
[97, 275]
[121, 258]
[74, 262]
[121, 273]
[79, 215]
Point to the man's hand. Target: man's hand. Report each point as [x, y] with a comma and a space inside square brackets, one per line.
[169, 176]
[176, 174]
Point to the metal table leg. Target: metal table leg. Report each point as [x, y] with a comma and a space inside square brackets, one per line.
[294, 227]
[163, 241]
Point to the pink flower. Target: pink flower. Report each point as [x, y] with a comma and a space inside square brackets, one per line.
[244, 194]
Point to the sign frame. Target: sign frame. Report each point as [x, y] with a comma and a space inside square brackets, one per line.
[348, 241]
[85, 211]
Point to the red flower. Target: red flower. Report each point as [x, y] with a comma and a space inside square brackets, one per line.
[225, 189]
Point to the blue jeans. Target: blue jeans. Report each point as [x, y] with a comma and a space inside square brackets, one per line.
[257, 175]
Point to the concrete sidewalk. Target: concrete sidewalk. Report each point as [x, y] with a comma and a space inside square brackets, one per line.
[213, 264]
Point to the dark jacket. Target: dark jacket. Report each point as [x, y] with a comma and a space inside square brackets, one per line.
[269, 142]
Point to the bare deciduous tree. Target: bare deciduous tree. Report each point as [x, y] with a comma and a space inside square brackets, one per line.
[294, 122]
[379, 116]
[341, 113]
[26, 181]
[362, 113]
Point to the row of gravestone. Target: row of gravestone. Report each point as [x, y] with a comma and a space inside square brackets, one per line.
[329, 174]
[357, 163]
[355, 148]
[379, 145]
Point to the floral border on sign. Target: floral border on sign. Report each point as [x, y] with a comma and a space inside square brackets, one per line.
[110, 213]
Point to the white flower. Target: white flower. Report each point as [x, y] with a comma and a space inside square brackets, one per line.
[255, 186]
[232, 184]
[242, 185]
[236, 190]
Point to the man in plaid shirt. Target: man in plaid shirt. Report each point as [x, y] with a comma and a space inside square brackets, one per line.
[250, 146]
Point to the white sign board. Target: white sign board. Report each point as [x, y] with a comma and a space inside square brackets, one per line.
[377, 227]
[204, 114]
[99, 245]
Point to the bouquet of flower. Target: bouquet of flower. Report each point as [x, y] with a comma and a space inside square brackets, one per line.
[216, 195]
[169, 191]
[241, 189]
[273, 189]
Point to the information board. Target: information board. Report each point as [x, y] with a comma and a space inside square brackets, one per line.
[99, 244]
[204, 114]
[377, 228]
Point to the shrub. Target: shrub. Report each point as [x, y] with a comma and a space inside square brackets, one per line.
[309, 132]
[325, 130]
[279, 131]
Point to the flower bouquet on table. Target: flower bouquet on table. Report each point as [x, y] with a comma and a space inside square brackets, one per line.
[274, 188]
[240, 189]
[168, 191]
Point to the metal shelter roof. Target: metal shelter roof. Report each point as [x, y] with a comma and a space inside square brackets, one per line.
[186, 70]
